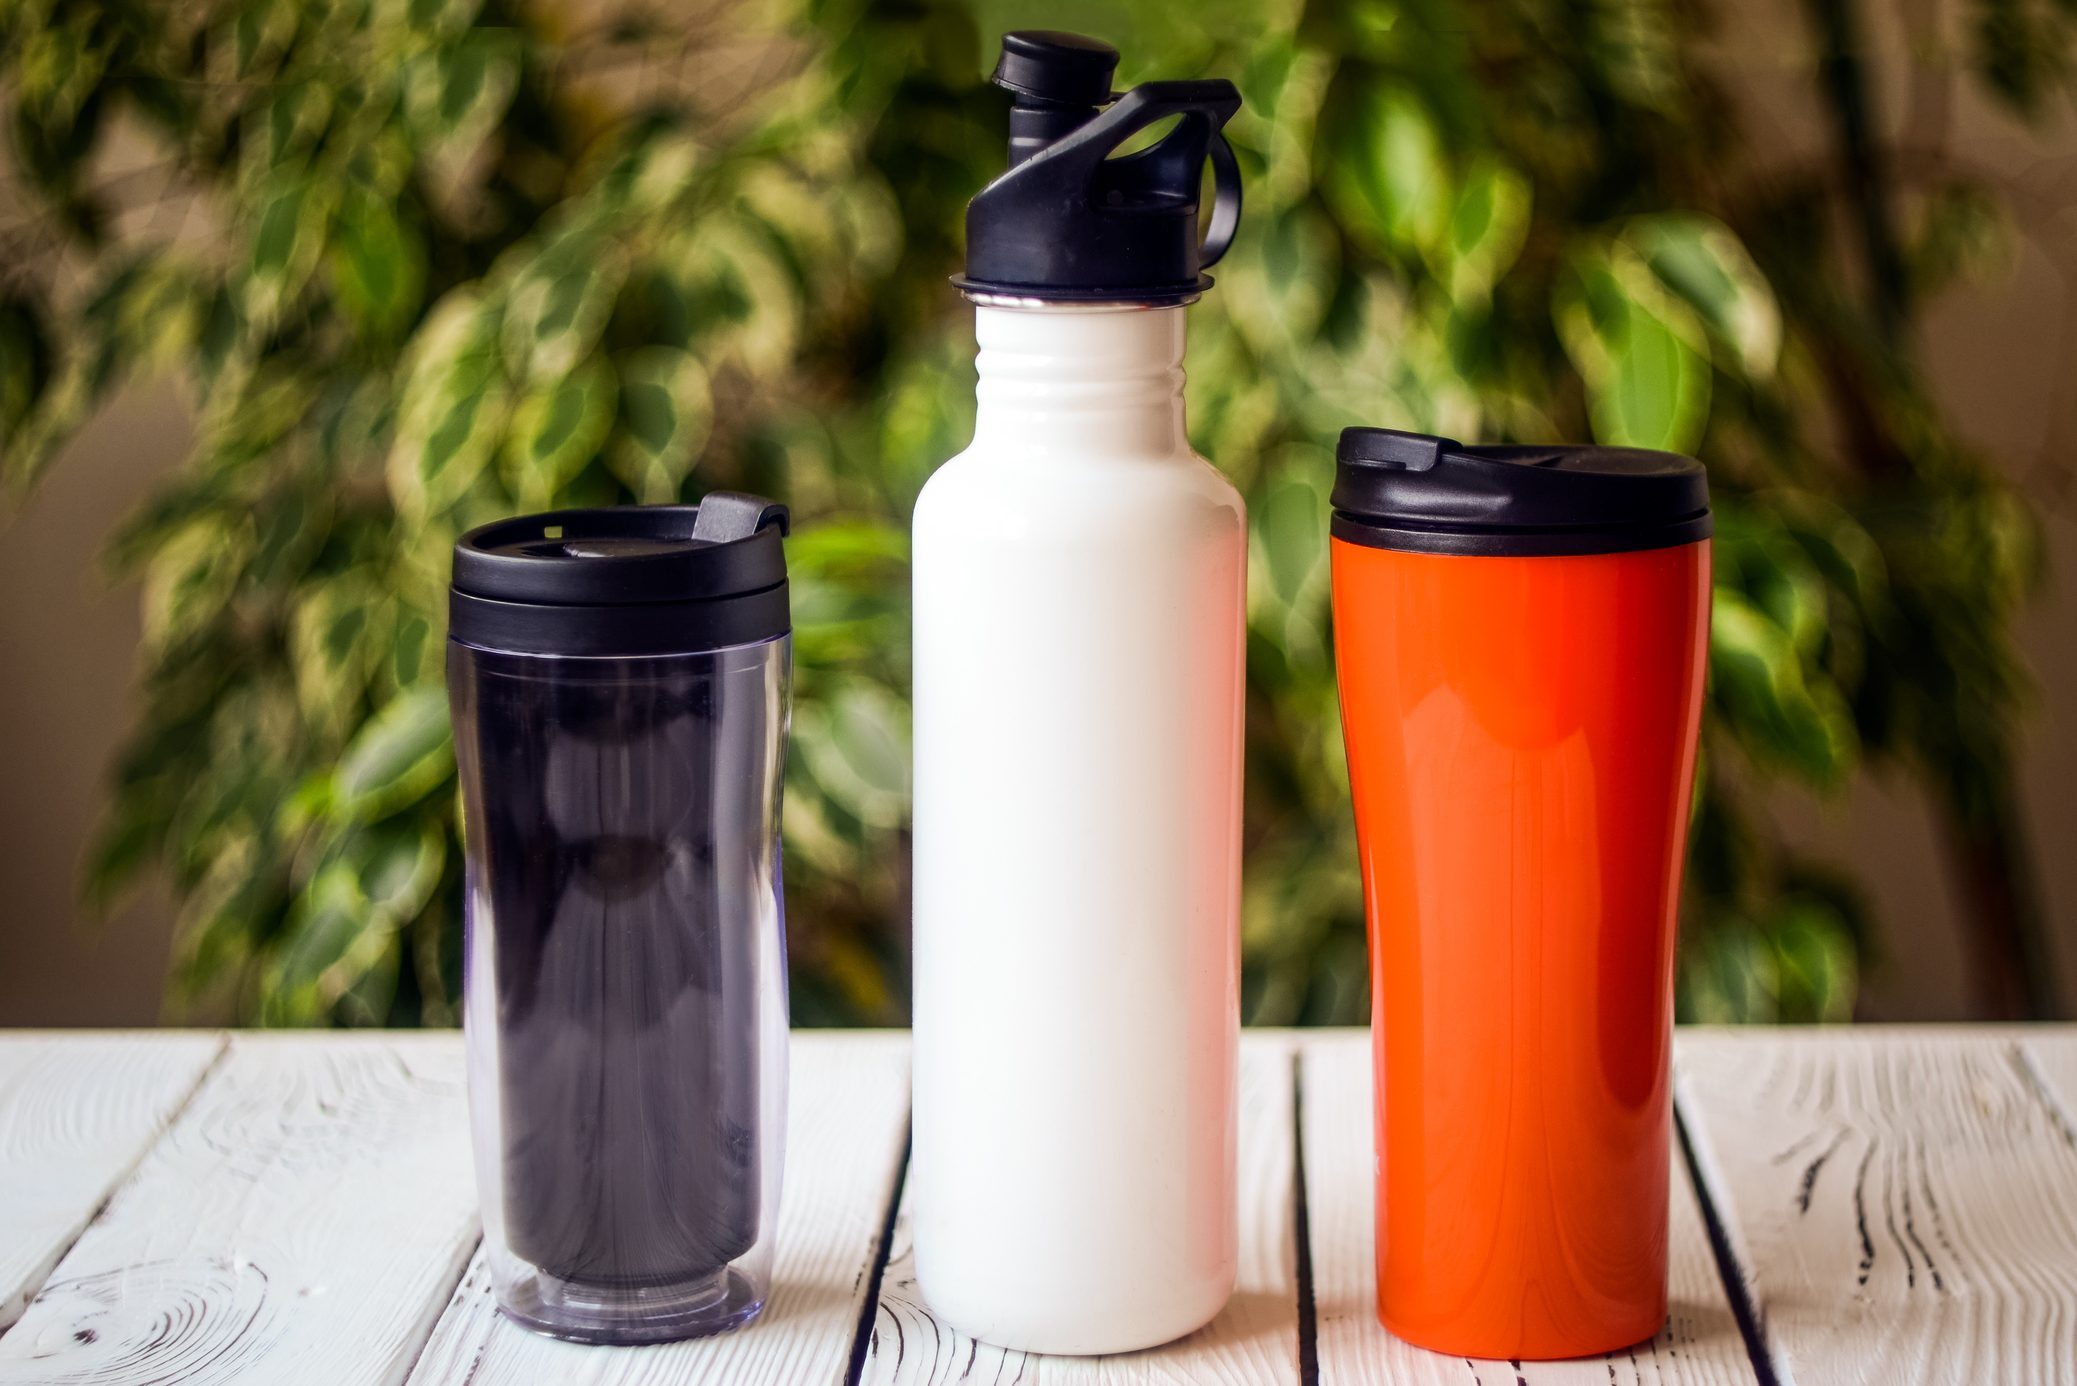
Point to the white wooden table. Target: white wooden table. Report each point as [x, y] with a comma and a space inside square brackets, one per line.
[1880, 1206]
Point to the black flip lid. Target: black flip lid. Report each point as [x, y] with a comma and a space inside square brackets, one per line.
[1410, 491]
[625, 580]
[1069, 223]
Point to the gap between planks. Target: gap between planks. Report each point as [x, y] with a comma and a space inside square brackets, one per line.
[1725, 1242]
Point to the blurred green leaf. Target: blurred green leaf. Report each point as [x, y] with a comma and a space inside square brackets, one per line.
[415, 654]
[557, 428]
[332, 635]
[559, 305]
[1487, 228]
[452, 414]
[1758, 674]
[857, 743]
[1394, 183]
[1289, 560]
[1640, 350]
[395, 866]
[259, 33]
[285, 125]
[330, 945]
[242, 894]
[666, 411]
[191, 579]
[744, 291]
[456, 94]
[25, 366]
[286, 246]
[1700, 260]
[377, 267]
[401, 755]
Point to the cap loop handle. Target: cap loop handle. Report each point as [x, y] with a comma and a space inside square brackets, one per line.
[1225, 218]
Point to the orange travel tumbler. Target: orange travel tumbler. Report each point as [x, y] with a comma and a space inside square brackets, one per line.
[1520, 635]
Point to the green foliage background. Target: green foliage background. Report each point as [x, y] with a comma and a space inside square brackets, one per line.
[465, 259]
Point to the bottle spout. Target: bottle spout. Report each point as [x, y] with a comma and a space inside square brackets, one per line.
[1057, 83]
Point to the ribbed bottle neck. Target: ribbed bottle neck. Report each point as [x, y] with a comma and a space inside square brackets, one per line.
[1064, 377]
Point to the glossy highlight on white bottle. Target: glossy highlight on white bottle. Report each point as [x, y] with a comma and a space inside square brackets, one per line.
[1079, 642]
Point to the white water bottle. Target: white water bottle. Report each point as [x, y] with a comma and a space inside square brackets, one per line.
[1079, 616]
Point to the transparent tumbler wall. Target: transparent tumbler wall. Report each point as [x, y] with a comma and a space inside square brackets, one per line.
[624, 985]
[625, 982]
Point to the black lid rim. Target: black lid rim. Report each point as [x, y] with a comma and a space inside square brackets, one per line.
[1138, 295]
[1424, 493]
[1468, 541]
[496, 560]
[621, 629]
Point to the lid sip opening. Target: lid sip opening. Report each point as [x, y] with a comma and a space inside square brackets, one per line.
[1071, 223]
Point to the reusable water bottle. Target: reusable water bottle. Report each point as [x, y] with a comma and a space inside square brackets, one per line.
[619, 687]
[1520, 634]
[1078, 647]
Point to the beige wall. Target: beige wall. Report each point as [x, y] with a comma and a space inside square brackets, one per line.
[2001, 353]
[67, 658]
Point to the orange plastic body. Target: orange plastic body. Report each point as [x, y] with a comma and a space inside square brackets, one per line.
[1521, 738]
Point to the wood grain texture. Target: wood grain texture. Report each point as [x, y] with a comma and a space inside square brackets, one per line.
[1901, 1205]
[847, 1128]
[1905, 1200]
[302, 1220]
[1254, 1340]
[77, 1112]
[1700, 1346]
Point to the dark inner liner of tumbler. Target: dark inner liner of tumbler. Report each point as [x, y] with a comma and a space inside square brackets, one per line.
[621, 857]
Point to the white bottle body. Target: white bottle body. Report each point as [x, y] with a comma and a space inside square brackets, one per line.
[1079, 645]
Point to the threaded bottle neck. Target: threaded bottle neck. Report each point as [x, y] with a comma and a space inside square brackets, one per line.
[1064, 376]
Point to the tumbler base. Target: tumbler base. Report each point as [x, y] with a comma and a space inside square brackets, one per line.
[582, 1313]
[1519, 1347]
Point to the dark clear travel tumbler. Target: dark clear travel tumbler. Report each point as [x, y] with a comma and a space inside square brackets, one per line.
[619, 684]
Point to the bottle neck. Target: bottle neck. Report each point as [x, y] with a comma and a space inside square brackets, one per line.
[1067, 377]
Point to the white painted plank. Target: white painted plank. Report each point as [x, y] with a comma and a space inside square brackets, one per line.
[847, 1127]
[1907, 1199]
[1254, 1340]
[301, 1221]
[77, 1112]
[1700, 1344]
[2049, 1056]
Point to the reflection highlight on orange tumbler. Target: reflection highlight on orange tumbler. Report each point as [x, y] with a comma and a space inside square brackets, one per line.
[1521, 737]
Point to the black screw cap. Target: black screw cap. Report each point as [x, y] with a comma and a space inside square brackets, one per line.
[1071, 223]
